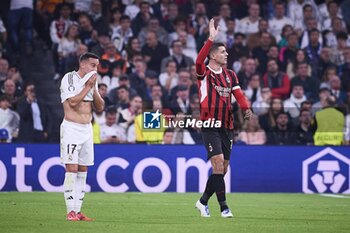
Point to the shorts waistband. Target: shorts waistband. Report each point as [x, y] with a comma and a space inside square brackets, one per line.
[76, 124]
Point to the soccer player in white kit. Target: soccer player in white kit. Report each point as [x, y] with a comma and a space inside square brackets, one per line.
[79, 94]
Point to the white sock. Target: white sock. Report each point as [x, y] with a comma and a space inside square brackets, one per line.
[69, 190]
[80, 190]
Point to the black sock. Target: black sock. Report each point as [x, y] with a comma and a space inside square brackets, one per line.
[209, 191]
[219, 187]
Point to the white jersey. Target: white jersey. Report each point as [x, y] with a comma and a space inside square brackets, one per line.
[72, 84]
[246, 26]
[276, 25]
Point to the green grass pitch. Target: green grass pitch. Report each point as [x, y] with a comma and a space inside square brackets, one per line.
[172, 212]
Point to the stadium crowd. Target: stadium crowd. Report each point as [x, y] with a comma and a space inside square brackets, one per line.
[292, 59]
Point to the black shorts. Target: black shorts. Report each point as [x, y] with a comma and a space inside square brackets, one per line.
[218, 141]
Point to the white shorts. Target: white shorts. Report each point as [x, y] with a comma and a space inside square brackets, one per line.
[77, 145]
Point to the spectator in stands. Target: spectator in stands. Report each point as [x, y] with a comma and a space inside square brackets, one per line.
[3, 38]
[169, 78]
[133, 50]
[268, 121]
[189, 48]
[74, 63]
[288, 53]
[103, 90]
[168, 136]
[282, 133]
[277, 81]
[347, 130]
[337, 55]
[260, 53]
[9, 119]
[115, 18]
[150, 79]
[286, 31]
[137, 78]
[311, 85]
[252, 133]
[110, 59]
[295, 11]
[112, 81]
[253, 90]
[153, 26]
[199, 19]
[184, 80]
[262, 104]
[335, 89]
[67, 48]
[20, 17]
[123, 96]
[329, 132]
[103, 40]
[254, 39]
[122, 34]
[329, 34]
[33, 127]
[158, 93]
[181, 60]
[88, 36]
[182, 102]
[4, 70]
[324, 62]
[181, 30]
[300, 56]
[133, 8]
[293, 104]
[224, 12]
[111, 132]
[154, 51]
[249, 24]
[181, 135]
[11, 93]
[95, 11]
[332, 11]
[247, 71]
[279, 20]
[304, 132]
[58, 29]
[238, 52]
[127, 115]
[323, 95]
[142, 18]
[173, 13]
[230, 33]
[313, 50]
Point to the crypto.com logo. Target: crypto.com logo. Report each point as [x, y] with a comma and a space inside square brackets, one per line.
[327, 171]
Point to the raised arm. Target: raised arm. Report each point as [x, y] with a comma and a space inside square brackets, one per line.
[203, 53]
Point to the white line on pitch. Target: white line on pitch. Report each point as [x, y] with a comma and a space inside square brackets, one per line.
[334, 195]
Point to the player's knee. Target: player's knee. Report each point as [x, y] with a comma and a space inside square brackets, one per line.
[72, 168]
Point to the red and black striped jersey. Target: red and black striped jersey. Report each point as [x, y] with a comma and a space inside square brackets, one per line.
[216, 89]
[215, 94]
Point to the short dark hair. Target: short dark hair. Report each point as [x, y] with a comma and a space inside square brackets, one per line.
[124, 17]
[102, 85]
[215, 46]
[307, 6]
[342, 35]
[303, 110]
[86, 56]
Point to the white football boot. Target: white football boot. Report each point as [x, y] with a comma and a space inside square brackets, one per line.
[203, 209]
[226, 213]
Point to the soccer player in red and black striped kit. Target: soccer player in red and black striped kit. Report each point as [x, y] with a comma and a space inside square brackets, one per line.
[216, 85]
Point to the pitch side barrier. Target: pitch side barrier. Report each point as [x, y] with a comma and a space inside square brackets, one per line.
[180, 168]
